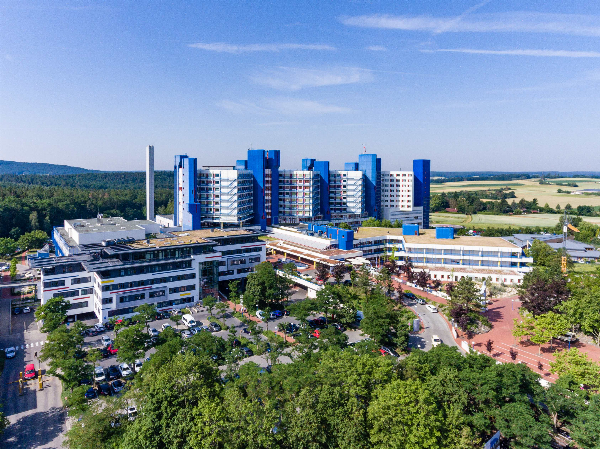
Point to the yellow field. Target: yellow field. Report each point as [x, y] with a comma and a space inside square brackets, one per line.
[530, 189]
[495, 221]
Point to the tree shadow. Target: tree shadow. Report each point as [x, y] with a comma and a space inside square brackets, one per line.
[494, 314]
[416, 342]
[34, 430]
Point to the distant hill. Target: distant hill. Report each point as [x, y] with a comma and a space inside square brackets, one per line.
[37, 168]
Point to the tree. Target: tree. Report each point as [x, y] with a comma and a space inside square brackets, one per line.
[549, 326]
[379, 317]
[542, 290]
[7, 246]
[264, 288]
[94, 356]
[177, 318]
[13, 268]
[33, 239]
[464, 299]
[583, 307]
[222, 310]
[147, 312]
[585, 427]
[131, 343]
[322, 273]
[52, 313]
[209, 302]
[338, 272]
[489, 346]
[513, 354]
[384, 279]
[543, 255]
[234, 292]
[282, 327]
[576, 364]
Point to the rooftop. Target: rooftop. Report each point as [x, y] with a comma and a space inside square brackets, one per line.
[364, 233]
[187, 237]
[106, 224]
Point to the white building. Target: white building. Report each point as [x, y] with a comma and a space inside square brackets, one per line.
[299, 196]
[225, 195]
[346, 195]
[397, 198]
[111, 277]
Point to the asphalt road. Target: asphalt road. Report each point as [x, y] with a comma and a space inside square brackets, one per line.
[434, 324]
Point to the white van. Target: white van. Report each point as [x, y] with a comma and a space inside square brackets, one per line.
[188, 320]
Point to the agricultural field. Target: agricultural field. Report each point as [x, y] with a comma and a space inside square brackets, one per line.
[530, 189]
[500, 221]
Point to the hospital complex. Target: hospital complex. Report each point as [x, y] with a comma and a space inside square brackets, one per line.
[228, 218]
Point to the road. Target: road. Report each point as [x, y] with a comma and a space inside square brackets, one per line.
[36, 417]
[434, 324]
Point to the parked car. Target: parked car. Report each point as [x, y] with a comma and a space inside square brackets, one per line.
[316, 333]
[205, 329]
[17, 310]
[247, 351]
[10, 352]
[99, 374]
[106, 341]
[109, 326]
[290, 328]
[389, 351]
[26, 309]
[278, 313]
[431, 308]
[117, 386]
[410, 295]
[569, 337]
[91, 393]
[113, 372]
[339, 327]
[214, 327]
[435, 340]
[29, 371]
[420, 301]
[235, 343]
[194, 330]
[153, 332]
[105, 390]
[125, 370]
[99, 327]
[261, 315]
[137, 366]
[273, 316]
[165, 326]
[111, 349]
[131, 413]
[104, 353]
[186, 333]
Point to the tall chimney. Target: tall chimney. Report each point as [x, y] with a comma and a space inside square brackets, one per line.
[150, 182]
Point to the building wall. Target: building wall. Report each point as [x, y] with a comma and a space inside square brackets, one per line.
[396, 193]
[322, 167]
[68, 284]
[370, 165]
[299, 196]
[421, 195]
[186, 212]
[225, 196]
[347, 194]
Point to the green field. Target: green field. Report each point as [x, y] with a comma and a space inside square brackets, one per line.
[495, 221]
[530, 189]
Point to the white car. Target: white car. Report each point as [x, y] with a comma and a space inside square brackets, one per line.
[10, 352]
[153, 332]
[99, 327]
[106, 341]
[435, 340]
[131, 413]
[165, 325]
[125, 370]
[99, 374]
[186, 334]
[138, 365]
[431, 308]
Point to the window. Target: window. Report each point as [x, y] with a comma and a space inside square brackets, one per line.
[78, 305]
[156, 294]
[107, 300]
[87, 291]
[183, 288]
[129, 298]
[50, 284]
[66, 294]
[83, 280]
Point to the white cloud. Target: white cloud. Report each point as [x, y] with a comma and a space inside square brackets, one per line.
[282, 106]
[376, 48]
[523, 52]
[222, 47]
[524, 22]
[292, 78]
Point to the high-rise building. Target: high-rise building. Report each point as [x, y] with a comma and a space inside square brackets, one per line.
[421, 193]
[186, 210]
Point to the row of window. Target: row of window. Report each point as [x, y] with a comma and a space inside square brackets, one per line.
[74, 293]
[130, 298]
[82, 280]
[145, 269]
[233, 252]
[79, 305]
[145, 282]
[183, 288]
[238, 271]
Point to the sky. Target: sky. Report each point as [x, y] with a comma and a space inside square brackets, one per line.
[470, 85]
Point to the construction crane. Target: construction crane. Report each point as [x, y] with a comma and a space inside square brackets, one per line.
[566, 226]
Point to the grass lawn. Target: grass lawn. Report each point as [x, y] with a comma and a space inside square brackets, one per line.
[585, 267]
[495, 221]
[530, 189]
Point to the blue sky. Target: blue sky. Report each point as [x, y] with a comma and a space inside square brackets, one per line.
[489, 85]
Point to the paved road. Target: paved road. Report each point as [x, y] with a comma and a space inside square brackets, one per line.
[36, 417]
[434, 324]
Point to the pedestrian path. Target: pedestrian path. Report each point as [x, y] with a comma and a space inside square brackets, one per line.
[37, 344]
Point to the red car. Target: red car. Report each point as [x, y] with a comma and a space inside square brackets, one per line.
[29, 371]
[112, 349]
[316, 333]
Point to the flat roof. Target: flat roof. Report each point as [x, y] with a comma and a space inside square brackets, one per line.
[427, 237]
[94, 225]
[187, 237]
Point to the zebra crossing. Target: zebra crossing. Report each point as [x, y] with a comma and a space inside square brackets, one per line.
[37, 344]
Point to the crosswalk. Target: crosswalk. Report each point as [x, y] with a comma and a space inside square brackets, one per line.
[27, 346]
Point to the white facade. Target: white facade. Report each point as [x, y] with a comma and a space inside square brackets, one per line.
[150, 182]
[299, 196]
[346, 194]
[397, 198]
[225, 196]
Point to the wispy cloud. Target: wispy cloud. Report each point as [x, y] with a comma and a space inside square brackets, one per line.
[376, 48]
[293, 78]
[524, 22]
[522, 52]
[283, 106]
[222, 47]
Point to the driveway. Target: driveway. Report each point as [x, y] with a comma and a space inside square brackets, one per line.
[433, 324]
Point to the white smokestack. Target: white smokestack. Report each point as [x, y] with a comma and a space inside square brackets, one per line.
[150, 182]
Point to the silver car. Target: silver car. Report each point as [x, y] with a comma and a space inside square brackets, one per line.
[99, 374]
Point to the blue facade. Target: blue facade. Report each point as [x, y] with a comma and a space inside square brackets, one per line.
[344, 237]
[351, 166]
[186, 182]
[370, 165]
[258, 162]
[323, 168]
[241, 164]
[410, 229]
[444, 233]
[308, 164]
[421, 189]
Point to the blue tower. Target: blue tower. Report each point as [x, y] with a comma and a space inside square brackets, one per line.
[370, 165]
[421, 190]
[186, 212]
[323, 168]
[265, 187]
